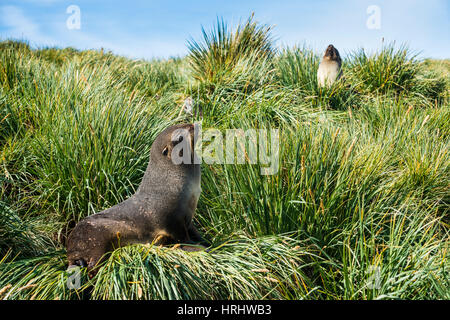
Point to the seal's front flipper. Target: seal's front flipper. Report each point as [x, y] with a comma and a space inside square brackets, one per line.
[196, 237]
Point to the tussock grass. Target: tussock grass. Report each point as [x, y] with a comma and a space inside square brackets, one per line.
[270, 267]
[359, 208]
[395, 255]
[232, 58]
[240, 269]
[37, 278]
[391, 68]
[297, 68]
[21, 237]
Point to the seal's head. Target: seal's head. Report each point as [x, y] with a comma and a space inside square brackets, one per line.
[331, 53]
[174, 147]
[171, 163]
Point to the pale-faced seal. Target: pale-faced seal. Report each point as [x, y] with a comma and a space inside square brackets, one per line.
[330, 67]
[161, 210]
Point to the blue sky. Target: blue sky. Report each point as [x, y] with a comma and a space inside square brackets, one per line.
[161, 28]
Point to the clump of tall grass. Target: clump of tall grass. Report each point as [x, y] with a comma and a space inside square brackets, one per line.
[394, 254]
[20, 237]
[266, 106]
[20, 73]
[390, 69]
[239, 58]
[440, 67]
[152, 78]
[312, 191]
[297, 68]
[432, 86]
[8, 120]
[42, 277]
[243, 268]
[9, 77]
[56, 55]
[18, 45]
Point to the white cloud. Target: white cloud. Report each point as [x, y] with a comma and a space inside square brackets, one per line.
[18, 26]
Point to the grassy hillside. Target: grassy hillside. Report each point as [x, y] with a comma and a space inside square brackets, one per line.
[359, 208]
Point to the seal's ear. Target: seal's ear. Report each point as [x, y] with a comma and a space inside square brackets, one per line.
[165, 151]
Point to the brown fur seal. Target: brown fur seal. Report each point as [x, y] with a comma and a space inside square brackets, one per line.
[161, 210]
[330, 67]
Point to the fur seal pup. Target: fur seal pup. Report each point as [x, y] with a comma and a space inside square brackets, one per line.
[330, 67]
[161, 210]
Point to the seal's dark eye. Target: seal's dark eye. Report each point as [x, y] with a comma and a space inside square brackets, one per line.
[165, 151]
[180, 138]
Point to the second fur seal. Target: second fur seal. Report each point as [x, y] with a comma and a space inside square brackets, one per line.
[160, 211]
[330, 67]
